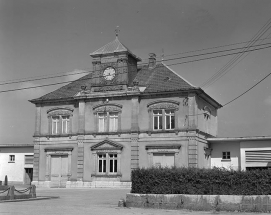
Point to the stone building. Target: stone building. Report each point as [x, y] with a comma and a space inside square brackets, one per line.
[121, 116]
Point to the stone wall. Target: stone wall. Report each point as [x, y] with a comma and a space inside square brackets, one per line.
[200, 202]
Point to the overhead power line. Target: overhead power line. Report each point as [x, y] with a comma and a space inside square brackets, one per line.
[247, 90]
[56, 75]
[3, 91]
[215, 47]
[229, 65]
[170, 59]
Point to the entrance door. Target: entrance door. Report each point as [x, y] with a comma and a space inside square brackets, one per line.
[28, 175]
[59, 171]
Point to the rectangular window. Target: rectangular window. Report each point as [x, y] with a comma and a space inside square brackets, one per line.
[55, 124]
[169, 119]
[65, 124]
[113, 122]
[226, 155]
[157, 119]
[12, 158]
[163, 159]
[102, 162]
[102, 122]
[113, 160]
[28, 159]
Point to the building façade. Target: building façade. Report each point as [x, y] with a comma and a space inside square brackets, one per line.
[121, 116]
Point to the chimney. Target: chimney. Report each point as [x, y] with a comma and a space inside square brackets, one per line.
[152, 60]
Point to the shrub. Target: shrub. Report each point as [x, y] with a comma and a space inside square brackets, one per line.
[216, 181]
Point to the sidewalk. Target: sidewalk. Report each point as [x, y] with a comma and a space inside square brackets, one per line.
[85, 201]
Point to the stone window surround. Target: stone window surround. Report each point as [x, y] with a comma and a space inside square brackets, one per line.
[162, 148]
[95, 152]
[57, 151]
[59, 111]
[102, 108]
[163, 105]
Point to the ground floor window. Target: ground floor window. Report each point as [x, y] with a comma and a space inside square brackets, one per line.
[163, 159]
[108, 163]
[226, 155]
[12, 158]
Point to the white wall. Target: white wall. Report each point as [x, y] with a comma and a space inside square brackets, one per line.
[216, 156]
[254, 146]
[15, 171]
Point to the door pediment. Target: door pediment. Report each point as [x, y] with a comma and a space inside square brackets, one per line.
[107, 145]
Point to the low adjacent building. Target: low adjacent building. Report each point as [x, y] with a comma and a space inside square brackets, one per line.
[16, 162]
[241, 153]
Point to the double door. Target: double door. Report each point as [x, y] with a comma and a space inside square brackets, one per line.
[59, 171]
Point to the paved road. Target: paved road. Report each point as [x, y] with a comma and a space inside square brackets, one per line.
[86, 201]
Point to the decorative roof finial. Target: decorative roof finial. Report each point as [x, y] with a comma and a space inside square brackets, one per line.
[117, 31]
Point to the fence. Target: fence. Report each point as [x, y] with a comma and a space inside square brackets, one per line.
[11, 193]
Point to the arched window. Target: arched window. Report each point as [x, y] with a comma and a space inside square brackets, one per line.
[107, 117]
[59, 121]
[163, 115]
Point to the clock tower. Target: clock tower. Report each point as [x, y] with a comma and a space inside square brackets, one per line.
[113, 65]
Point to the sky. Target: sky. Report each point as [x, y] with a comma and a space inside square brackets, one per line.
[50, 37]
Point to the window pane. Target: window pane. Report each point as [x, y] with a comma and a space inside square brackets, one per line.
[65, 124]
[115, 165]
[111, 166]
[104, 165]
[100, 165]
[167, 122]
[160, 122]
[155, 123]
[172, 122]
[55, 124]
[113, 122]
[102, 122]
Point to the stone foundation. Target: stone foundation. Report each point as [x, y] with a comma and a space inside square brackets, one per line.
[82, 184]
[201, 202]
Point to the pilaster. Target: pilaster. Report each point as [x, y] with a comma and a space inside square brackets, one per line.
[80, 158]
[192, 115]
[135, 112]
[81, 120]
[36, 159]
[37, 120]
[192, 152]
[134, 151]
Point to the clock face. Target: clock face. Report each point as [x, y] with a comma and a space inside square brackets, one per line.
[109, 73]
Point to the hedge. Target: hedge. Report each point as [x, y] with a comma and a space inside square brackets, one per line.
[216, 181]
